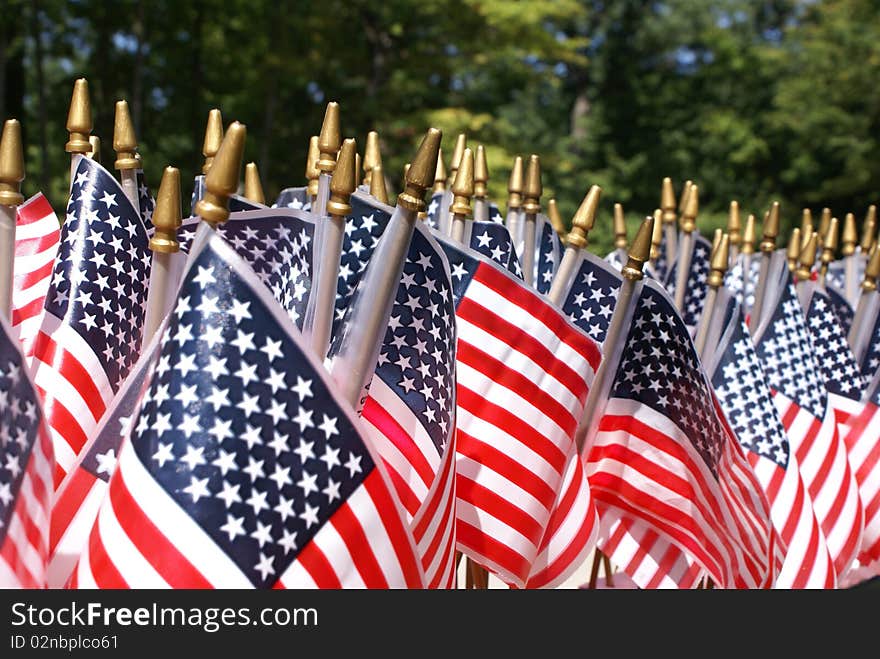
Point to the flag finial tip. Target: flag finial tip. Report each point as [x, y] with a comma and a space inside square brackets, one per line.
[667, 201]
[124, 141]
[850, 237]
[691, 208]
[532, 187]
[253, 187]
[515, 184]
[584, 218]
[555, 217]
[213, 138]
[377, 184]
[222, 178]
[344, 180]
[720, 260]
[639, 250]
[312, 171]
[734, 224]
[11, 164]
[372, 155]
[619, 219]
[464, 184]
[770, 229]
[420, 174]
[79, 118]
[481, 172]
[457, 152]
[167, 216]
[329, 139]
[749, 235]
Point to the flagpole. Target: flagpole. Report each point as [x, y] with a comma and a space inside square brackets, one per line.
[849, 240]
[514, 201]
[321, 308]
[717, 269]
[125, 145]
[312, 173]
[481, 179]
[829, 247]
[462, 191]
[79, 124]
[167, 219]
[11, 176]
[329, 140]
[620, 242]
[770, 230]
[734, 227]
[531, 207]
[353, 367]
[639, 252]
[805, 267]
[686, 242]
[581, 225]
[670, 217]
[866, 309]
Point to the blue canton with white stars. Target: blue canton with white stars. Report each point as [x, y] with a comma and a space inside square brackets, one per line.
[296, 198]
[744, 393]
[833, 354]
[417, 358]
[20, 421]
[841, 307]
[433, 210]
[102, 269]
[871, 360]
[591, 296]
[238, 426]
[659, 368]
[495, 213]
[786, 350]
[493, 240]
[697, 282]
[733, 280]
[146, 202]
[549, 254]
[836, 275]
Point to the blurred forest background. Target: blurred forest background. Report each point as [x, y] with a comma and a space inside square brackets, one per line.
[754, 101]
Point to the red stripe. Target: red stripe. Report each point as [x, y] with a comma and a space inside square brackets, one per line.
[352, 533]
[516, 382]
[35, 209]
[444, 522]
[522, 341]
[854, 438]
[25, 280]
[32, 246]
[388, 510]
[69, 498]
[667, 561]
[562, 509]
[404, 492]
[104, 572]
[157, 550]
[316, 564]
[508, 422]
[499, 507]
[29, 310]
[50, 353]
[59, 418]
[394, 432]
[481, 544]
[525, 298]
[9, 552]
[433, 502]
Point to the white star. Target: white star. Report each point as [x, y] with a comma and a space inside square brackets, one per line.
[262, 535]
[288, 541]
[187, 395]
[303, 388]
[108, 199]
[234, 526]
[264, 566]
[310, 515]
[225, 462]
[354, 464]
[272, 349]
[107, 462]
[197, 488]
[329, 426]
[304, 450]
[205, 276]
[307, 483]
[190, 424]
[240, 310]
[194, 456]
[332, 490]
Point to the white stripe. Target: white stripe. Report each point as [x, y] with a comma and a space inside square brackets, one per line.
[76, 535]
[22, 297]
[45, 226]
[632, 543]
[331, 544]
[512, 493]
[178, 527]
[296, 576]
[396, 461]
[25, 264]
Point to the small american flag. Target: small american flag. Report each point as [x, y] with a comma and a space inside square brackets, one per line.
[523, 372]
[549, 253]
[788, 352]
[842, 309]
[26, 467]
[410, 410]
[244, 470]
[90, 334]
[696, 283]
[664, 454]
[492, 239]
[37, 237]
[296, 198]
[591, 295]
[744, 393]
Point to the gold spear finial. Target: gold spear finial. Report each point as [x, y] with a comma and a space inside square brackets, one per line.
[357, 169]
[377, 184]
[667, 201]
[807, 258]
[79, 119]
[770, 229]
[824, 221]
[222, 178]
[11, 164]
[829, 244]
[440, 174]
[95, 150]
[734, 225]
[329, 139]
[719, 261]
[639, 251]
[794, 249]
[716, 238]
[312, 171]
[691, 208]
[253, 188]
[342, 183]
[657, 234]
[868, 228]
[420, 174]
[806, 221]
[872, 270]
[124, 141]
[213, 138]
[532, 188]
[481, 173]
[584, 218]
[458, 150]
[406, 167]
[167, 217]
[685, 191]
[555, 217]
[515, 184]
[463, 186]
[850, 237]
[749, 235]
[620, 241]
[372, 155]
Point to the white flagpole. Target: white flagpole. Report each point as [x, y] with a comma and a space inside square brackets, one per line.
[11, 176]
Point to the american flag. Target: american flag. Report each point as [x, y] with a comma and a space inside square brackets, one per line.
[664, 454]
[410, 409]
[788, 353]
[591, 295]
[26, 467]
[90, 334]
[744, 394]
[523, 372]
[37, 236]
[549, 253]
[296, 198]
[863, 444]
[492, 239]
[871, 361]
[696, 282]
[842, 309]
[277, 245]
[743, 287]
[244, 469]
